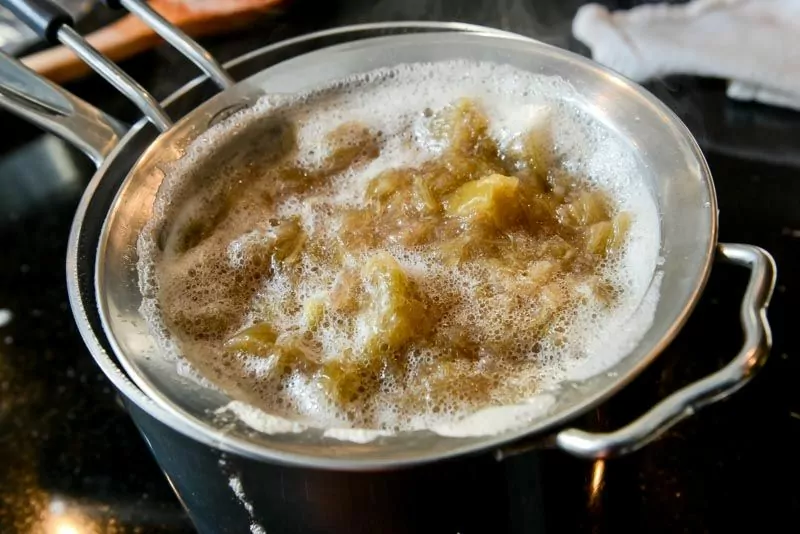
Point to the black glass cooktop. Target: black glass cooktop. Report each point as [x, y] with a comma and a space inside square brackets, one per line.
[71, 462]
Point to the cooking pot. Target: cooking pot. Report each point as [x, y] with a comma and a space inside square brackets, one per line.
[232, 478]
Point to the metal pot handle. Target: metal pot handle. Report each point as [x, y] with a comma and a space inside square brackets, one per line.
[41, 102]
[27, 94]
[686, 401]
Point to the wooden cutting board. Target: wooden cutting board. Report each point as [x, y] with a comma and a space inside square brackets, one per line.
[129, 36]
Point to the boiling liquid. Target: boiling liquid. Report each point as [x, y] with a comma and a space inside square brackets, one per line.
[412, 247]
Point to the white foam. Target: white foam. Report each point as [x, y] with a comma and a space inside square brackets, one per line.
[393, 101]
[355, 435]
[497, 419]
[235, 484]
[617, 335]
[262, 421]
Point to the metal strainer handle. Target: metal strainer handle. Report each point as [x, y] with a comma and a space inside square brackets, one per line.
[686, 401]
[53, 23]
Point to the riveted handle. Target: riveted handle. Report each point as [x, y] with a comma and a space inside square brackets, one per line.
[688, 400]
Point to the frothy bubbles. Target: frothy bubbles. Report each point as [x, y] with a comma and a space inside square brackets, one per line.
[395, 102]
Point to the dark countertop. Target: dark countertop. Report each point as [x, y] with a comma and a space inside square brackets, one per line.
[68, 451]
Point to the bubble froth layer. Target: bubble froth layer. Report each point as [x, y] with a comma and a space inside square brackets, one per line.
[203, 285]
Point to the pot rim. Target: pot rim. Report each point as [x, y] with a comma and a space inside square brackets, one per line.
[218, 439]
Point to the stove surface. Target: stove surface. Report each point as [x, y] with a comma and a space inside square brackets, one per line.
[71, 461]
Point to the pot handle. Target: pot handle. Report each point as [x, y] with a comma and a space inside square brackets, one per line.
[29, 95]
[686, 401]
[41, 102]
[51, 22]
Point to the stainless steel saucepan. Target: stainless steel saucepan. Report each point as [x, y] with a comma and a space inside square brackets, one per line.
[101, 264]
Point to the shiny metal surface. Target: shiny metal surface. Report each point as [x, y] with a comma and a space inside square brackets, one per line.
[115, 76]
[692, 476]
[86, 227]
[16, 36]
[724, 382]
[47, 105]
[670, 162]
[177, 38]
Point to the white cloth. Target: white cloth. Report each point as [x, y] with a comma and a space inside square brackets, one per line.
[754, 44]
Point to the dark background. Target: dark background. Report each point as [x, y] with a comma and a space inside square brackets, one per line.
[68, 451]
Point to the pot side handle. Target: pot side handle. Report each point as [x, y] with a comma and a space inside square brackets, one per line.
[26, 94]
[31, 96]
[686, 401]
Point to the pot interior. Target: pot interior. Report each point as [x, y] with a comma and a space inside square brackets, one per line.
[668, 160]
